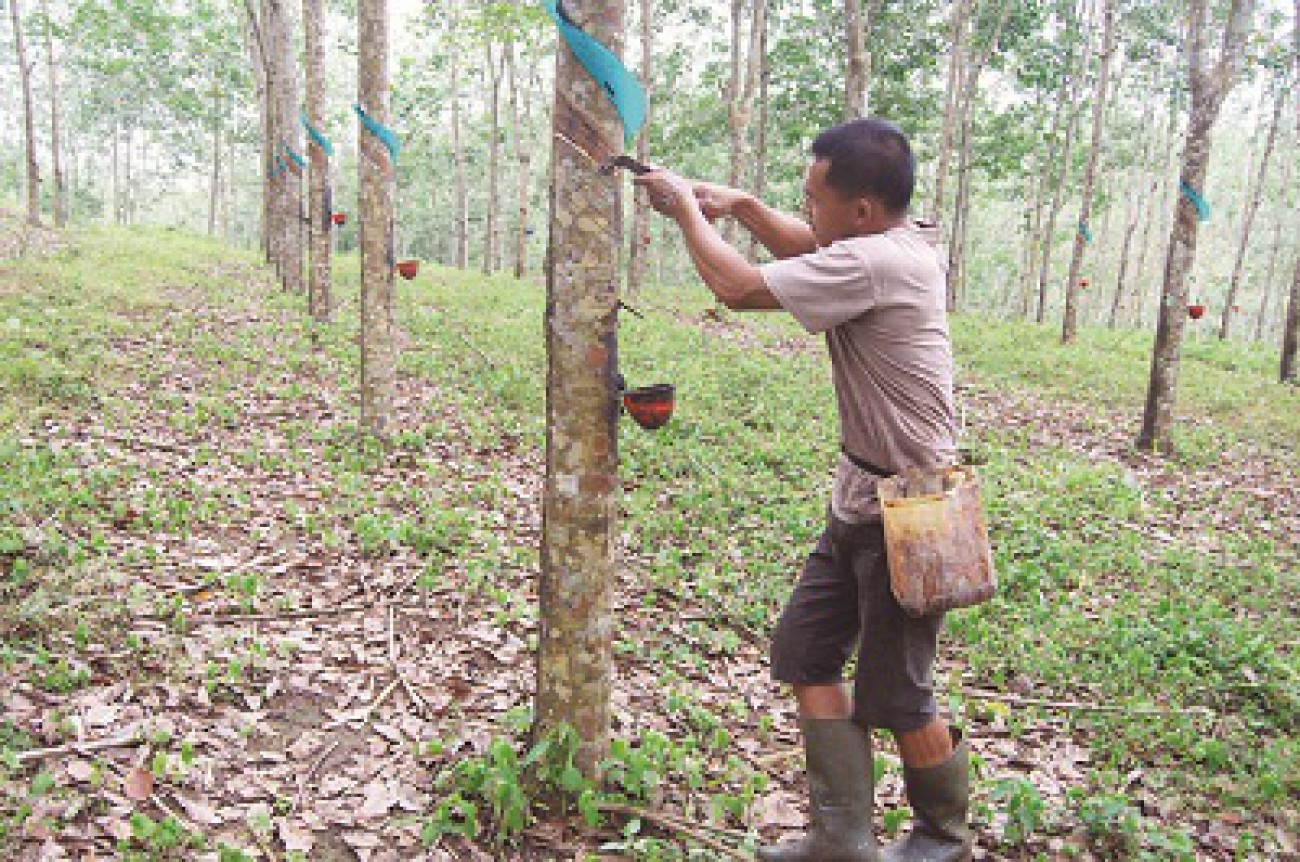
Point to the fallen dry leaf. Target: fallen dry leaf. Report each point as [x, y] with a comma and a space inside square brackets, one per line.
[138, 784]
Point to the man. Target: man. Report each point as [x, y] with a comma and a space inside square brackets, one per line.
[861, 272]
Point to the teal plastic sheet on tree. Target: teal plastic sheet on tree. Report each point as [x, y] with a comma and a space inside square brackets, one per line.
[1201, 204]
[386, 136]
[317, 137]
[622, 87]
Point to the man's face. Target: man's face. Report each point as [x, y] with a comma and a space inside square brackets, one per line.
[831, 215]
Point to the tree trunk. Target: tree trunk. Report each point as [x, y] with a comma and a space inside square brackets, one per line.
[1248, 218]
[1062, 174]
[375, 166]
[491, 231]
[581, 488]
[857, 78]
[29, 124]
[115, 202]
[1130, 228]
[523, 160]
[961, 11]
[458, 157]
[1291, 331]
[1284, 219]
[970, 90]
[1209, 86]
[214, 185]
[56, 160]
[287, 113]
[1070, 321]
[639, 245]
[740, 93]
[760, 133]
[128, 184]
[321, 204]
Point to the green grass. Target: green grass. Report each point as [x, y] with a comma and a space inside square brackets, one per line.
[719, 508]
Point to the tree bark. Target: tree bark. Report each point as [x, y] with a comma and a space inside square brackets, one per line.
[1062, 175]
[458, 159]
[115, 202]
[1070, 320]
[1209, 86]
[970, 90]
[491, 230]
[375, 166]
[523, 159]
[857, 79]
[760, 132]
[1130, 228]
[29, 123]
[639, 244]
[1284, 219]
[1291, 331]
[321, 201]
[581, 488]
[740, 93]
[1248, 218]
[288, 135]
[214, 183]
[961, 12]
[56, 159]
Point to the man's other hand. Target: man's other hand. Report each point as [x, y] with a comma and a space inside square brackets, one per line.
[669, 194]
[716, 201]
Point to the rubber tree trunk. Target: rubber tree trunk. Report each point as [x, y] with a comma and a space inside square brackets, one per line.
[1248, 218]
[1130, 228]
[288, 135]
[1070, 320]
[961, 12]
[321, 197]
[1209, 86]
[581, 486]
[639, 243]
[29, 123]
[375, 167]
[458, 160]
[214, 181]
[491, 228]
[519, 123]
[858, 21]
[1291, 330]
[1072, 86]
[740, 92]
[1284, 220]
[56, 158]
[760, 132]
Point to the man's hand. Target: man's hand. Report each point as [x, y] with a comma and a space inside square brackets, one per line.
[717, 201]
[670, 194]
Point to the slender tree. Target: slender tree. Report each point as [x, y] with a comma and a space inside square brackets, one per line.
[29, 125]
[1254, 195]
[741, 87]
[375, 167]
[639, 244]
[321, 204]
[1070, 321]
[858, 21]
[1291, 329]
[458, 154]
[491, 228]
[579, 506]
[56, 159]
[1210, 78]
[961, 12]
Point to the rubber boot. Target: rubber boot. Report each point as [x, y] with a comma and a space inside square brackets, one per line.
[940, 799]
[841, 782]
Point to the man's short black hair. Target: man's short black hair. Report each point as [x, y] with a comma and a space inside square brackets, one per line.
[869, 158]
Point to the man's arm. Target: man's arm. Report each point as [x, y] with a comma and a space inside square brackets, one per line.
[736, 282]
[782, 234]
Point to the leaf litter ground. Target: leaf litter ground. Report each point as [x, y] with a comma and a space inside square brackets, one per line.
[279, 633]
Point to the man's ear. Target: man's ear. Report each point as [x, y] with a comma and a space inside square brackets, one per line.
[865, 211]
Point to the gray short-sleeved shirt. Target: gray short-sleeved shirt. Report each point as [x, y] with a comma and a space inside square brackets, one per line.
[880, 300]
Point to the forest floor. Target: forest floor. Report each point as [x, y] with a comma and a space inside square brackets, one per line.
[233, 628]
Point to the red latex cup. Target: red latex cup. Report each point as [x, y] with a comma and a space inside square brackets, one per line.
[1195, 311]
[408, 268]
[651, 406]
[339, 219]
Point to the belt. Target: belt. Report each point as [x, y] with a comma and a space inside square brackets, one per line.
[866, 465]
